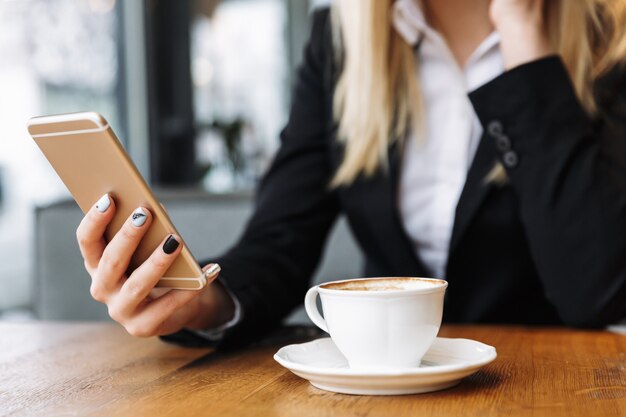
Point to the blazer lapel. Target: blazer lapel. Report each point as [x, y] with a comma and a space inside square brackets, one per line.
[373, 201]
[474, 191]
[380, 194]
[472, 196]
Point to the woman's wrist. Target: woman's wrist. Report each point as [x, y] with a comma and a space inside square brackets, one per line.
[216, 307]
[520, 24]
[521, 44]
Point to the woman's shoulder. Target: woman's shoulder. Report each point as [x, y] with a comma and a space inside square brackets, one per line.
[321, 37]
[321, 13]
[321, 19]
[320, 46]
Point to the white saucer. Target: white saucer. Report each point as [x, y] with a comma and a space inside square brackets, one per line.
[445, 364]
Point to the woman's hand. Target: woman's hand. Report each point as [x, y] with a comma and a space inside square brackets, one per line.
[520, 24]
[129, 298]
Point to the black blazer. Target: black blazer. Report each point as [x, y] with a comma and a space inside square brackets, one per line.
[549, 247]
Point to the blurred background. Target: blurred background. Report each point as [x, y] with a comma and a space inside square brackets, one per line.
[197, 91]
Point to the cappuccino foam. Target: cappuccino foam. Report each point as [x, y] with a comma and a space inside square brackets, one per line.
[384, 284]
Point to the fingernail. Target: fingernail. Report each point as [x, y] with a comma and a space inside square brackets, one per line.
[139, 217]
[103, 204]
[170, 245]
[212, 270]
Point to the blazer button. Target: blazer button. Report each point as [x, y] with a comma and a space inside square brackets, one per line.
[495, 128]
[503, 143]
[510, 159]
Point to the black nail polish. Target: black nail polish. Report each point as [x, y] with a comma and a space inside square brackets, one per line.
[170, 245]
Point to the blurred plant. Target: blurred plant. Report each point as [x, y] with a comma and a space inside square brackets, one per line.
[231, 132]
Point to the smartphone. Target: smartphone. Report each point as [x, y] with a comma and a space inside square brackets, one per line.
[90, 160]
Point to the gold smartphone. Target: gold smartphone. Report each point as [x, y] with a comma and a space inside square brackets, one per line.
[90, 160]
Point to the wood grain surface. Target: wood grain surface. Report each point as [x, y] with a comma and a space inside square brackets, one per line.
[56, 369]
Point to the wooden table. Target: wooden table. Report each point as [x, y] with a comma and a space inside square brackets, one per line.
[97, 369]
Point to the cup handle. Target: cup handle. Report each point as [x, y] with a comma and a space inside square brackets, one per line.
[310, 305]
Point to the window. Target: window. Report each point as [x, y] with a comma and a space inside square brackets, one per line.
[59, 56]
[240, 83]
[217, 107]
[197, 91]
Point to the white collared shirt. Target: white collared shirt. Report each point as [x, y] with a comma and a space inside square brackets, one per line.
[435, 167]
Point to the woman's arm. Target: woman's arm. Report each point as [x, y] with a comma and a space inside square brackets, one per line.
[269, 269]
[569, 174]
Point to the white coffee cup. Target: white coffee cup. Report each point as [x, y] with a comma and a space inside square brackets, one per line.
[380, 322]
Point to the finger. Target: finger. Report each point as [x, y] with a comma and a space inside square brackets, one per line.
[211, 270]
[214, 268]
[118, 252]
[180, 317]
[90, 231]
[164, 315]
[143, 279]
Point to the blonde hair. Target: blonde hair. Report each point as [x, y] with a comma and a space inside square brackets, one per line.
[377, 97]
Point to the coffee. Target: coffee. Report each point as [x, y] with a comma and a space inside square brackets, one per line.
[387, 322]
[383, 284]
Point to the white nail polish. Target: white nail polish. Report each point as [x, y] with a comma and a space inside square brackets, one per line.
[103, 204]
[212, 270]
[139, 217]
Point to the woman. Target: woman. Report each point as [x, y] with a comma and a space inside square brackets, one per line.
[515, 192]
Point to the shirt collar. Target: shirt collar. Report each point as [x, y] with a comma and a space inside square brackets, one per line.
[408, 20]
[490, 42]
